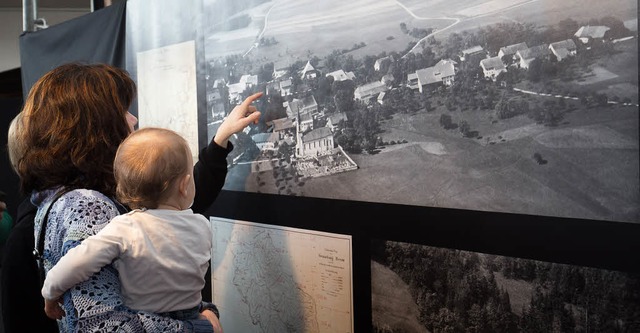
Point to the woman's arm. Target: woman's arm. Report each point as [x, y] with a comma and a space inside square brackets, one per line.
[211, 170]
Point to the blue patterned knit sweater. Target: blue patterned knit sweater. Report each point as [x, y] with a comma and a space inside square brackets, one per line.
[94, 305]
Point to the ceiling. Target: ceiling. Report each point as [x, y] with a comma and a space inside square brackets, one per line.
[49, 4]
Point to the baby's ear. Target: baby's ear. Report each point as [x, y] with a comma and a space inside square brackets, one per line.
[184, 184]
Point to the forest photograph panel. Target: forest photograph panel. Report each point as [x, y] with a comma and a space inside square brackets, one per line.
[516, 106]
[418, 288]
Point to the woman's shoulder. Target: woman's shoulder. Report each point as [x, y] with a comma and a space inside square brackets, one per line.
[83, 208]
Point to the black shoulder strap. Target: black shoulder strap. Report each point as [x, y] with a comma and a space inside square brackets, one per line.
[38, 252]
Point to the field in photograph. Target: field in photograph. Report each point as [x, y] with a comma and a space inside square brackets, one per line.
[582, 177]
[311, 27]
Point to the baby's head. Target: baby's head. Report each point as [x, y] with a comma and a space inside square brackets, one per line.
[153, 166]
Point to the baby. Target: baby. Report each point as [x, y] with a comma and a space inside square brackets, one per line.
[161, 249]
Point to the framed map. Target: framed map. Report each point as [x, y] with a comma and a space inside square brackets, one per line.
[277, 279]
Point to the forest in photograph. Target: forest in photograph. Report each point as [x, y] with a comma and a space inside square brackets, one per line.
[417, 288]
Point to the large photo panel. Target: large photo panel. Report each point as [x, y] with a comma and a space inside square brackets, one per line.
[418, 288]
[527, 107]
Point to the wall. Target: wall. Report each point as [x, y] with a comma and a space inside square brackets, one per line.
[11, 19]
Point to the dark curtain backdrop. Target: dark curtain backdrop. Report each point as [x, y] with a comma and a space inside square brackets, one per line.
[97, 37]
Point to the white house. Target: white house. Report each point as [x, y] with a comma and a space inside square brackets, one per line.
[532, 53]
[492, 67]
[443, 72]
[308, 72]
[265, 141]
[412, 81]
[589, 33]
[282, 126]
[281, 68]
[472, 51]
[285, 88]
[249, 80]
[316, 142]
[235, 91]
[302, 106]
[563, 49]
[335, 119]
[382, 64]
[512, 49]
[341, 75]
[369, 90]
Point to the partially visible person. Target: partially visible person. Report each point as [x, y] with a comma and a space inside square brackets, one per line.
[20, 279]
[72, 122]
[7, 221]
[161, 249]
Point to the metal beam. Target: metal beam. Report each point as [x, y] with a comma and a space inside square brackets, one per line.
[29, 14]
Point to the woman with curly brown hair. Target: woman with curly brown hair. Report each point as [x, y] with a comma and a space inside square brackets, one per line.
[72, 123]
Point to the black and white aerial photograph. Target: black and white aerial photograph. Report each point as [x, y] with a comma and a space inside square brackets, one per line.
[515, 106]
[417, 288]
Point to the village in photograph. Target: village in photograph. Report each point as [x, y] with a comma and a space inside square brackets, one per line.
[517, 106]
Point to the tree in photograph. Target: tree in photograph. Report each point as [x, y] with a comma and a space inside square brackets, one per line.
[445, 321]
[616, 28]
[599, 99]
[273, 108]
[331, 61]
[403, 28]
[568, 26]
[534, 73]
[465, 128]
[538, 158]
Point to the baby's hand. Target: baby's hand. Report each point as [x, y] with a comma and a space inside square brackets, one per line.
[53, 309]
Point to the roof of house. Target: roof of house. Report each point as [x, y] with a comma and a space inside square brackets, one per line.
[568, 44]
[307, 68]
[591, 31]
[340, 75]
[249, 79]
[305, 117]
[298, 105]
[281, 124]
[370, 89]
[285, 84]
[534, 52]
[309, 101]
[471, 50]
[561, 53]
[337, 117]
[273, 86]
[317, 134]
[237, 88]
[264, 137]
[494, 63]
[444, 68]
[512, 49]
[383, 60]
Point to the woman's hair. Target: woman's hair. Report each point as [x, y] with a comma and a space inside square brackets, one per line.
[72, 123]
[148, 164]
